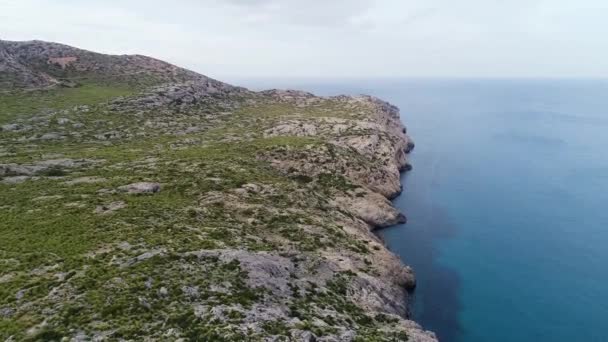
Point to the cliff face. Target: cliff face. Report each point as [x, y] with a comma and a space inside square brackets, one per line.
[192, 209]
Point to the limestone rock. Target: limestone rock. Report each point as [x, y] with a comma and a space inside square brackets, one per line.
[15, 179]
[372, 208]
[141, 188]
[11, 127]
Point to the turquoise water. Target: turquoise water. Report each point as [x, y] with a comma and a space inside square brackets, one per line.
[507, 205]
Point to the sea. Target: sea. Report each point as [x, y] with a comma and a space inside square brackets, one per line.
[507, 203]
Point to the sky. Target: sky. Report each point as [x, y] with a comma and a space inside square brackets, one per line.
[332, 38]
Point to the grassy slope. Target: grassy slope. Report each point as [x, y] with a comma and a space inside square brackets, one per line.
[15, 105]
[49, 234]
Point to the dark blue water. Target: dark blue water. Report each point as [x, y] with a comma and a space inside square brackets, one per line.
[507, 205]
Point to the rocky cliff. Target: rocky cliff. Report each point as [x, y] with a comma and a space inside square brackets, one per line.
[169, 206]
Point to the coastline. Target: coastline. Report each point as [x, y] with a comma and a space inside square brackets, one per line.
[190, 207]
[380, 136]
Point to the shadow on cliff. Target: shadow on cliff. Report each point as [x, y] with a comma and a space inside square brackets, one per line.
[436, 301]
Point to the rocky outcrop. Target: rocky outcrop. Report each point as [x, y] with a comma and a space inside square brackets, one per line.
[177, 95]
[14, 74]
[51, 167]
[372, 208]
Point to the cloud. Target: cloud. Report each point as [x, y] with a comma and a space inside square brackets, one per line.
[313, 13]
[332, 38]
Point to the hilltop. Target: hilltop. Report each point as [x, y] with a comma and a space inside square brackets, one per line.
[140, 200]
[37, 64]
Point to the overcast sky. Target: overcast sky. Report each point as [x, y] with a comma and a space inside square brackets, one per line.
[332, 38]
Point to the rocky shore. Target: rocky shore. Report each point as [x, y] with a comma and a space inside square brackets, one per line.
[378, 134]
[142, 201]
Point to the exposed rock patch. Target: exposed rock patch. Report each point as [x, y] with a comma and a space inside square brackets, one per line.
[85, 180]
[52, 167]
[109, 208]
[140, 188]
[372, 208]
[63, 62]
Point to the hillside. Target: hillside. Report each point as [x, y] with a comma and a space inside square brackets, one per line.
[37, 64]
[142, 201]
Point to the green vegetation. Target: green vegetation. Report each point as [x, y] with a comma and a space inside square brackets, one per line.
[27, 104]
[336, 298]
[84, 257]
[271, 109]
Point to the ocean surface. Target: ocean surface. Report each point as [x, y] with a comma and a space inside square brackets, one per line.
[507, 204]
